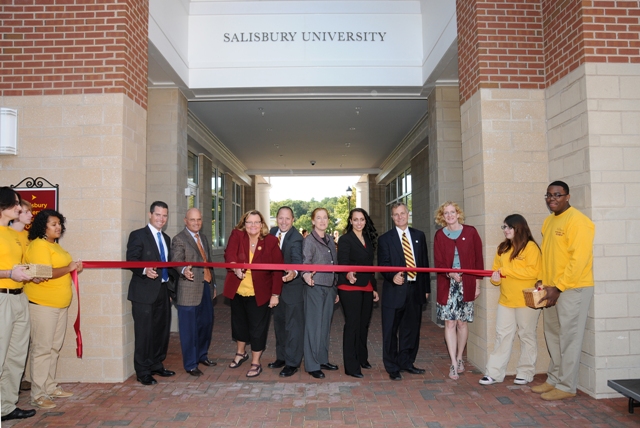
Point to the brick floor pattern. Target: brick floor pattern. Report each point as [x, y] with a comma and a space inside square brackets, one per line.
[224, 397]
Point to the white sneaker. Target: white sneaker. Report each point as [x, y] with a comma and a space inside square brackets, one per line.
[487, 380]
[520, 381]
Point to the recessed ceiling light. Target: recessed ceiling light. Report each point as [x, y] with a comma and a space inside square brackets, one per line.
[347, 144]
[352, 129]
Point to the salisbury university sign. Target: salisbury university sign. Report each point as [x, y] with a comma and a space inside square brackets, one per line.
[305, 36]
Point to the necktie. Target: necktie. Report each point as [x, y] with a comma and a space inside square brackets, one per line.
[163, 258]
[207, 272]
[408, 255]
[280, 240]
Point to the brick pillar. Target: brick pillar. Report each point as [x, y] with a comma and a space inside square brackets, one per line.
[504, 154]
[77, 75]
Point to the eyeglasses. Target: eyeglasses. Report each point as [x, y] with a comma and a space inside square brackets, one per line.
[505, 227]
[554, 195]
[252, 223]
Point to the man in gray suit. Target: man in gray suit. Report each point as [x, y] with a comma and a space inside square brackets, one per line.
[288, 316]
[196, 291]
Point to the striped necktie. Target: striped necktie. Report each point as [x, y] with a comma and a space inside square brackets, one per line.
[207, 271]
[408, 255]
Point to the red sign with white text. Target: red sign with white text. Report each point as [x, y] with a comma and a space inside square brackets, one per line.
[41, 199]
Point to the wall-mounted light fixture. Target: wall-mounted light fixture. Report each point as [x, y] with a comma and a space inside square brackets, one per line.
[8, 131]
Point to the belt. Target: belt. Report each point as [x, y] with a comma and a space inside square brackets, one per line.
[11, 290]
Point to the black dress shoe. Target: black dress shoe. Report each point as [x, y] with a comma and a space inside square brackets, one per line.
[395, 376]
[328, 366]
[207, 362]
[317, 374]
[277, 364]
[366, 365]
[18, 414]
[413, 370]
[288, 371]
[147, 380]
[195, 372]
[163, 372]
[358, 375]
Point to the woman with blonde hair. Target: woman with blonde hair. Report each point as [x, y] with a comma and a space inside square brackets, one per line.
[456, 246]
[519, 260]
[252, 293]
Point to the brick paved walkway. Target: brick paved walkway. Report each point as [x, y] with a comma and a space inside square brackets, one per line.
[224, 397]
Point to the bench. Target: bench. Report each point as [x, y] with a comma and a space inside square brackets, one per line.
[629, 388]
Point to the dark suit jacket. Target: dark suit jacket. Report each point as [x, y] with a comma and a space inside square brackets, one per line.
[185, 249]
[390, 253]
[265, 282]
[292, 253]
[142, 246]
[352, 252]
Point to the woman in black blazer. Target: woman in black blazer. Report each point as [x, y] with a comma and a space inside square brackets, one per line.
[357, 290]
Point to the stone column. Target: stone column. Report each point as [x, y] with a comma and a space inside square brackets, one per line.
[362, 192]
[262, 190]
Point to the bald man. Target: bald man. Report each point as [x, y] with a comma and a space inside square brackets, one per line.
[196, 291]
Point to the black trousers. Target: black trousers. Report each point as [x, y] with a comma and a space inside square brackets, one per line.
[401, 333]
[250, 322]
[357, 307]
[151, 326]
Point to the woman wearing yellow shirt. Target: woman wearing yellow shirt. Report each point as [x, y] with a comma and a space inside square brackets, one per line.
[518, 260]
[48, 305]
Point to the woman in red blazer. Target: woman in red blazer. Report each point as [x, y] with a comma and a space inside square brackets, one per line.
[456, 246]
[252, 293]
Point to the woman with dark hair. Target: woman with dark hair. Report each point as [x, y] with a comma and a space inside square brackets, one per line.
[48, 306]
[357, 290]
[320, 295]
[14, 308]
[456, 247]
[519, 260]
[252, 292]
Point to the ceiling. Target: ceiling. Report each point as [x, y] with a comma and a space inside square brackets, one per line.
[308, 131]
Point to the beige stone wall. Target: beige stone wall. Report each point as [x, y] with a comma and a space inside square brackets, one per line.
[594, 145]
[444, 160]
[93, 146]
[504, 158]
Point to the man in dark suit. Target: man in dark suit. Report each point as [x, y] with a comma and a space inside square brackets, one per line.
[403, 294]
[288, 316]
[196, 291]
[149, 296]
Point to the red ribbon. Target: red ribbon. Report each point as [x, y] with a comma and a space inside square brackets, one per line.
[252, 266]
[76, 325]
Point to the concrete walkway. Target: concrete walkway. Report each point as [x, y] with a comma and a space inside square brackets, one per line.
[224, 397]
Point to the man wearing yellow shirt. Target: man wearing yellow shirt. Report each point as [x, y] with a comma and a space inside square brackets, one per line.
[567, 272]
[14, 309]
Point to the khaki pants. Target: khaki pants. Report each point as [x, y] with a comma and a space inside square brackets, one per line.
[508, 322]
[564, 326]
[48, 327]
[14, 343]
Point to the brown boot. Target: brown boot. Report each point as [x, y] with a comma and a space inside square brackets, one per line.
[542, 388]
[556, 394]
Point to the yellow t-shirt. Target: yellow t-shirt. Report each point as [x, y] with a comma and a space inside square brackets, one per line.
[520, 273]
[245, 288]
[54, 292]
[567, 250]
[10, 255]
[24, 240]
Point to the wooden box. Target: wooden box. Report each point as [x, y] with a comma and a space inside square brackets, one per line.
[532, 297]
[39, 271]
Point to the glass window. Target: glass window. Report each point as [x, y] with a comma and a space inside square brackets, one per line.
[399, 190]
[237, 202]
[192, 180]
[217, 208]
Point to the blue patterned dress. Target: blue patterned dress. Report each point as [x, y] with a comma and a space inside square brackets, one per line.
[456, 308]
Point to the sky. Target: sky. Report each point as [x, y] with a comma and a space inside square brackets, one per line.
[305, 188]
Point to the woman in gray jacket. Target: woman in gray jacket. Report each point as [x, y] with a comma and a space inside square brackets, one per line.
[320, 295]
